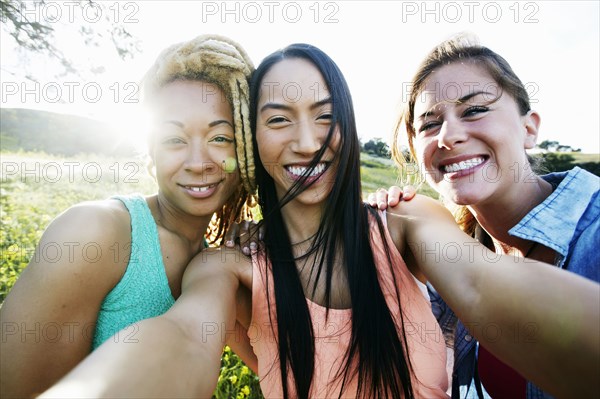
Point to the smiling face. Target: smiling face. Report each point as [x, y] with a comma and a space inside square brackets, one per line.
[193, 147]
[293, 119]
[470, 137]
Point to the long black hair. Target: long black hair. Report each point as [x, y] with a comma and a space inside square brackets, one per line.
[376, 342]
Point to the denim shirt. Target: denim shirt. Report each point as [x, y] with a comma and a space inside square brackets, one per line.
[568, 222]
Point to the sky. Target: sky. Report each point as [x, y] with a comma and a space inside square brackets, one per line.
[553, 46]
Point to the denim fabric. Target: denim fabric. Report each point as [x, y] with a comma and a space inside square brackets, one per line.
[568, 221]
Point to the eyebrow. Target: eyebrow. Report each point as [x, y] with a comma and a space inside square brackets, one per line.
[176, 123]
[463, 99]
[318, 104]
[219, 122]
[211, 124]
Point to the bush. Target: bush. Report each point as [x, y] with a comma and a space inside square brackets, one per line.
[236, 379]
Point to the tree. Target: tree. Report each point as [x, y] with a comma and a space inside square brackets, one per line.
[555, 162]
[33, 26]
[377, 147]
[555, 146]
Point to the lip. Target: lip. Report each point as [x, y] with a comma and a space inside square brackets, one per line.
[463, 172]
[310, 179]
[207, 189]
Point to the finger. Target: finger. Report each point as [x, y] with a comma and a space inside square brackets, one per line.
[408, 193]
[395, 193]
[253, 236]
[372, 200]
[245, 234]
[231, 235]
[261, 232]
[382, 199]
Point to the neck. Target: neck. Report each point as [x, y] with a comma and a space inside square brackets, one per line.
[189, 228]
[497, 217]
[301, 221]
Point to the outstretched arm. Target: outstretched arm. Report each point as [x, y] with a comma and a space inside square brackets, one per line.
[541, 320]
[175, 355]
[49, 316]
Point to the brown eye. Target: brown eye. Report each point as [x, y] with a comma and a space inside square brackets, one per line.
[173, 141]
[428, 126]
[475, 110]
[222, 139]
[276, 119]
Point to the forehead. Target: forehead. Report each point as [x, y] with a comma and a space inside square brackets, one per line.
[184, 94]
[293, 80]
[452, 82]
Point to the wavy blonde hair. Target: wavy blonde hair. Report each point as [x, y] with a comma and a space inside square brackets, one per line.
[221, 61]
[463, 47]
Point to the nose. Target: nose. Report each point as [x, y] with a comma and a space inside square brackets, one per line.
[199, 161]
[307, 140]
[452, 132]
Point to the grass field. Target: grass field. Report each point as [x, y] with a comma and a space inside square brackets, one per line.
[580, 158]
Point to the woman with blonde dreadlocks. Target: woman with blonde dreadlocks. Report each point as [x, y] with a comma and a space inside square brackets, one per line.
[198, 94]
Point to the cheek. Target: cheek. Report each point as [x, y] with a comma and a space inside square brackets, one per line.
[233, 180]
[336, 139]
[266, 148]
[162, 164]
[424, 150]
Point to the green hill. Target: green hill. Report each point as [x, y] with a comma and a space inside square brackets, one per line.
[59, 134]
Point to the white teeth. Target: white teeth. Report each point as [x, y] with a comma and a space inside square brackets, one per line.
[300, 170]
[200, 189]
[462, 165]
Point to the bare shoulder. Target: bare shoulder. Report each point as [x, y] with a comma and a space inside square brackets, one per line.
[79, 247]
[106, 219]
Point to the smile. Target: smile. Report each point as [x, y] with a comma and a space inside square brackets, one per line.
[298, 171]
[198, 191]
[462, 165]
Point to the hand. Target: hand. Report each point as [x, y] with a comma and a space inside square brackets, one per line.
[383, 198]
[246, 234]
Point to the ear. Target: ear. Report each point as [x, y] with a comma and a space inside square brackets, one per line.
[532, 124]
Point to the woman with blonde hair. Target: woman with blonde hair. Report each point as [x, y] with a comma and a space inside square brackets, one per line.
[198, 94]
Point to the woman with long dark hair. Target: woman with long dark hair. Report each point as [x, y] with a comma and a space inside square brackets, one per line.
[330, 258]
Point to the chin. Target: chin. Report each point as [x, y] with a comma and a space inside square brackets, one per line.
[460, 198]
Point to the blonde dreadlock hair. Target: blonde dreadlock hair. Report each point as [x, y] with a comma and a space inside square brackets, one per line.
[218, 60]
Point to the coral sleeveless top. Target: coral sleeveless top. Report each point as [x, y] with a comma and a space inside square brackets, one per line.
[425, 341]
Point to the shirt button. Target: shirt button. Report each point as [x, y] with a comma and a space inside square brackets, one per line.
[468, 338]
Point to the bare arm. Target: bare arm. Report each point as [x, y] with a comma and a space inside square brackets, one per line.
[48, 319]
[543, 321]
[177, 354]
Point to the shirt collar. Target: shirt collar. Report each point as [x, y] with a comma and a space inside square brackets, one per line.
[553, 222]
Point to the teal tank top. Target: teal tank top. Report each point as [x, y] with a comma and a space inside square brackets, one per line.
[143, 291]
